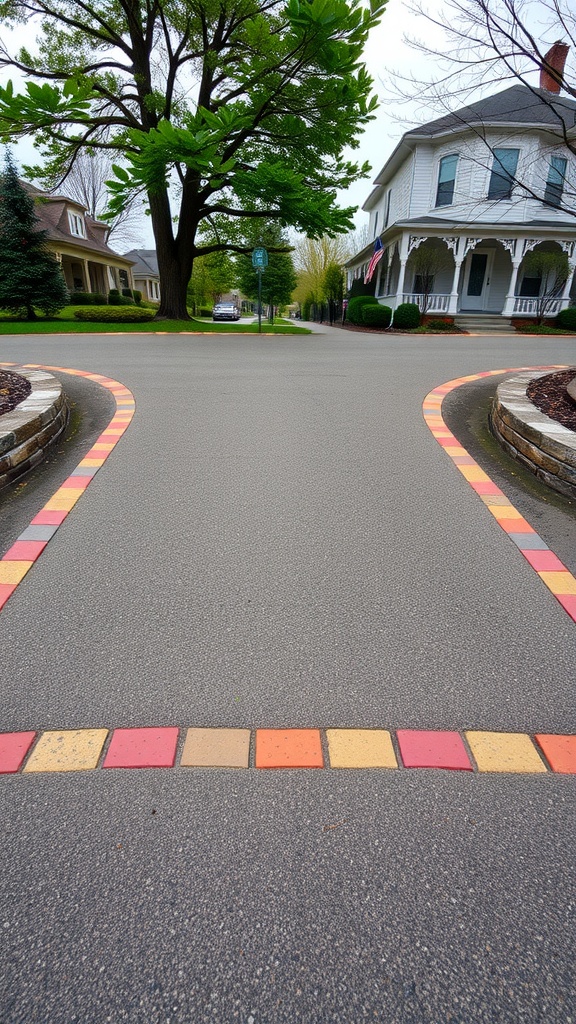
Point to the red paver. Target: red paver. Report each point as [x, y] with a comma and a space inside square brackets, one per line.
[25, 550]
[142, 748]
[289, 748]
[5, 590]
[560, 752]
[13, 749]
[48, 517]
[427, 749]
[568, 602]
[77, 481]
[543, 561]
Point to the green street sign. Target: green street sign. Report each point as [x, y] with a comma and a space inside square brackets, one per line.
[259, 258]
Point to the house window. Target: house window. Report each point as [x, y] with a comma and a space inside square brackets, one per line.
[423, 284]
[555, 182]
[503, 173]
[530, 286]
[76, 223]
[375, 224]
[387, 214]
[446, 179]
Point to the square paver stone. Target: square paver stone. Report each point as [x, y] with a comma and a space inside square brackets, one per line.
[216, 748]
[13, 749]
[361, 748]
[289, 748]
[429, 749]
[74, 750]
[560, 752]
[142, 748]
[504, 752]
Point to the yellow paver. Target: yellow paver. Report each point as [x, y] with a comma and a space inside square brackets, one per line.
[473, 474]
[504, 752]
[64, 499]
[361, 748]
[559, 582]
[13, 571]
[74, 750]
[505, 511]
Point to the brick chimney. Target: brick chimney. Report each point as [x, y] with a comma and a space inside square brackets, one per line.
[552, 67]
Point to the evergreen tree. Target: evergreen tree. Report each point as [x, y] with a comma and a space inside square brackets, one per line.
[279, 279]
[30, 277]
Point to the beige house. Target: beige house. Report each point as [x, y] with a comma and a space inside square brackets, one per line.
[145, 272]
[80, 245]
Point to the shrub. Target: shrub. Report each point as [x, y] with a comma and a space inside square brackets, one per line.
[376, 316]
[439, 325]
[566, 319]
[133, 294]
[111, 314]
[406, 316]
[355, 306]
[81, 299]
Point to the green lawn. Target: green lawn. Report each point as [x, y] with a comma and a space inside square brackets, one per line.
[65, 323]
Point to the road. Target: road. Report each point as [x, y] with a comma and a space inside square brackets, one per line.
[278, 542]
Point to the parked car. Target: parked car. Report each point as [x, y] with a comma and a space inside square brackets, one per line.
[225, 311]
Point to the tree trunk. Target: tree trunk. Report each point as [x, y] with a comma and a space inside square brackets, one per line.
[174, 261]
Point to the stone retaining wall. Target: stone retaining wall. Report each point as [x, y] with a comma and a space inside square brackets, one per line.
[542, 445]
[27, 430]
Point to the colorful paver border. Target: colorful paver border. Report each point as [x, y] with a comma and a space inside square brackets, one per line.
[552, 572]
[21, 556]
[472, 751]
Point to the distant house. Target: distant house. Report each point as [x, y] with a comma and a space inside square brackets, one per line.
[483, 186]
[80, 244]
[145, 272]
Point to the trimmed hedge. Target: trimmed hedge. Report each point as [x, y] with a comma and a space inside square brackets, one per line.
[133, 294]
[406, 316]
[376, 316]
[88, 299]
[114, 314]
[355, 307]
[566, 319]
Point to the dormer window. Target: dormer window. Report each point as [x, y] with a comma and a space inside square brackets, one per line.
[503, 173]
[76, 223]
[555, 182]
[446, 179]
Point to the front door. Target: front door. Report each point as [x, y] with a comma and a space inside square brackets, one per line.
[476, 280]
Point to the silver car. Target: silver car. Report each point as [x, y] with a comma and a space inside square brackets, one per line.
[225, 311]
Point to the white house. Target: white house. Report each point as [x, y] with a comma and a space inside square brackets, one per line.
[145, 272]
[484, 186]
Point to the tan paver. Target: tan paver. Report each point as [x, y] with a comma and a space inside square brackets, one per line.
[73, 750]
[361, 748]
[216, 748]
[504, 752]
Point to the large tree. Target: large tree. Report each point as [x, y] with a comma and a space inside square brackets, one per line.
[30, 276]
[278, 280]
[244, 106]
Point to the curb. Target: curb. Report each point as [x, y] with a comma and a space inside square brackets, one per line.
[545, 447]
[28, 430]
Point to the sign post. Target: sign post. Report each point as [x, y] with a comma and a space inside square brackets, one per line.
[259, 262]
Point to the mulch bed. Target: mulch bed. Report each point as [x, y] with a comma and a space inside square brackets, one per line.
[550, 396]
[13, 390]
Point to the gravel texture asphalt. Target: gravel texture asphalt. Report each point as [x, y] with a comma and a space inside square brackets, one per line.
[279, 541]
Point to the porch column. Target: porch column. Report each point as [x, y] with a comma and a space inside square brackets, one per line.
[565, 297]
[400, 285]
[86, 272]
[509, 303]
[453, 303]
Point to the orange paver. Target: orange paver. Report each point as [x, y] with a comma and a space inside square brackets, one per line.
[289, 748]
[560, 752]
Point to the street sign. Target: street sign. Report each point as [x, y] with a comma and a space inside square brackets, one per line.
[259, 258]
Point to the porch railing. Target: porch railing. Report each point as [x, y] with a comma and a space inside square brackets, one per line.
[437, 303]
[530, 306]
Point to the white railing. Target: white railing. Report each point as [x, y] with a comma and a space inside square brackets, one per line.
[530, 306]
[436, 303]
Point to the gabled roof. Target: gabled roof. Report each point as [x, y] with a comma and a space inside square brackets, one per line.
[52, 214]
[145, 262]
[518, 105]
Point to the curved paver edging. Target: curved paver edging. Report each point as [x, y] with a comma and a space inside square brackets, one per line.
[541, 444]
[552, 572]
[28, 547]
[27, 430]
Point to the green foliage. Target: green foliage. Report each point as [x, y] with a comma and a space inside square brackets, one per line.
[333, 283]
[355, 308]
[358, 288]
[376, 316]
[212, 276]
[406, 316]
[115, 299]
[566, 319]
[87, 299]
[111, 314]
[249, 106]
[133, 295]
[278, 279]
[30, 276]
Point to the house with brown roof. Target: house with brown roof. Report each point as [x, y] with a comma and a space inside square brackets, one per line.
[80, 244]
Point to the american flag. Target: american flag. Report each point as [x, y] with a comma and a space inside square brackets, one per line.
[376, 256]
